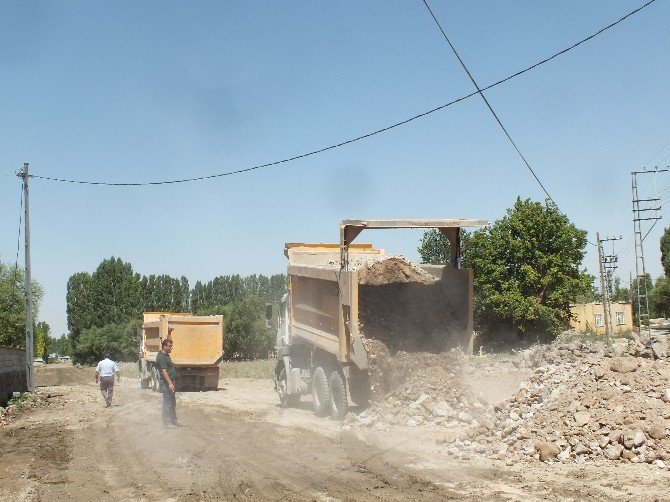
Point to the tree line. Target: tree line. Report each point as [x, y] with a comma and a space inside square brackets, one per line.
[527, 271]
[104, 309]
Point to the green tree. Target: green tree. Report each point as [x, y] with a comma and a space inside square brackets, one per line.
[13, 305]
[42, 340]
[120, 342]
[79, 304]
[246, 335]
[659, 298]
[165, 294]
[527, 269]
[665, 251]
[116, 293]
[62, 346]
[434, 248]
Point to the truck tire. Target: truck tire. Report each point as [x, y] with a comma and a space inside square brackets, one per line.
[339, 405]
[286, 400]
[321, 397]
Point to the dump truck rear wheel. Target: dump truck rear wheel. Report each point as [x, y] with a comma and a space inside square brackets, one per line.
[286, 400]
[338, 389]
[321, 397]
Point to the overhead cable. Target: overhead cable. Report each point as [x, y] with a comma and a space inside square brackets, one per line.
[363, 136]
[481, 94]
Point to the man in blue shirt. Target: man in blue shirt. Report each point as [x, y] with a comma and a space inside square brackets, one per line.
[104, 373]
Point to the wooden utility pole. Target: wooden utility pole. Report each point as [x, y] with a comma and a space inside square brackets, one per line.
[604, 291]
[30, 374]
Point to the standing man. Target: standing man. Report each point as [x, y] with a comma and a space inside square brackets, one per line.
[104, 373]
[167, 372]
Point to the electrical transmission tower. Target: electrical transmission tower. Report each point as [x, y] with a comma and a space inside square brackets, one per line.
[608, 264]
[643, 212]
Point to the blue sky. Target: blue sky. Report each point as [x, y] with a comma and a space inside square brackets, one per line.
[148, 91]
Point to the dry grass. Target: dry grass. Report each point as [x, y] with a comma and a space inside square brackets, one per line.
[129, 370]
[260, 368]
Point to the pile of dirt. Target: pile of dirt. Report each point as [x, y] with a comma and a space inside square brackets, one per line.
[584, 403]
[392, 269]
[427, 390]
[404, 307]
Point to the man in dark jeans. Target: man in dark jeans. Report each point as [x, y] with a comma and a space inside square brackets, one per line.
[167, 372]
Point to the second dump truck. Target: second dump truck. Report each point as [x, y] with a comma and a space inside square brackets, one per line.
[347, 300]
[197, 349]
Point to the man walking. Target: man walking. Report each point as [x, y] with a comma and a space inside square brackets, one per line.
[167, 372]
[104, 373]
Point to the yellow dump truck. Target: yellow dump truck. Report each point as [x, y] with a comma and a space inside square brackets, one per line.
[349, 307]
[197, 350]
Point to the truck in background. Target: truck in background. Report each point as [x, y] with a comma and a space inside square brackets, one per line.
[196, 353]
[320, 347]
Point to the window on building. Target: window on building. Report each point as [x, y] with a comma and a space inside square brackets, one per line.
[599, 321]
[619, 318]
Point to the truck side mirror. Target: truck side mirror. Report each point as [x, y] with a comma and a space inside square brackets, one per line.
[268, 311]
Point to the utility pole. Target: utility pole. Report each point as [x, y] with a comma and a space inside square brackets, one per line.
[30, 374]
[640, 271]
[610, 265]
[604, 291]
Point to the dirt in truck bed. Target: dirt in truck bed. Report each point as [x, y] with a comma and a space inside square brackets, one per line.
[405, 321]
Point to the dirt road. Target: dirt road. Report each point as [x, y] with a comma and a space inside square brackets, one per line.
[237, 444]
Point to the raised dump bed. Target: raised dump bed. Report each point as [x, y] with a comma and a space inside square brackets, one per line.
[350, 307]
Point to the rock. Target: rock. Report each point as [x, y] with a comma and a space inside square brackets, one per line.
[464, 417]
[421, 399]
[486, 423]
[582, 418]
[639, 438]
[604, 441]
[657, 432]
[660, 349]
[628, 455]
[624, 365]
[564, 455]
[615, 436]
[599, 373]
[666, 395]
[581, 449]
[613, 452]
[659, 463]
[442, 409]
[547, 450]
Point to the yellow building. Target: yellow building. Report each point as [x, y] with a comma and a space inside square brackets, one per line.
[591, 317]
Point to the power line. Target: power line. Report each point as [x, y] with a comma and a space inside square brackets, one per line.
[479, 91]
[369, 134]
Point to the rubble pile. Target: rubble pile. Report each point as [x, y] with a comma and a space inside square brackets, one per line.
[582, 403]
[428, 392]
[586, 403]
